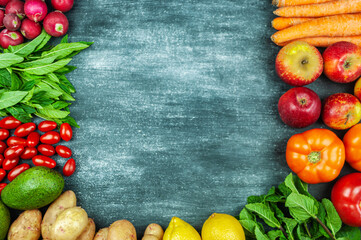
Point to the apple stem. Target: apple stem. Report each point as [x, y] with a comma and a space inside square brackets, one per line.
[314, 157]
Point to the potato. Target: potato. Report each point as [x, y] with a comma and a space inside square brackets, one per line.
[153, 232]
[122, 230]
[26, 226]
[65, 201]
[102, 234]
[69, 224]
[89, 231]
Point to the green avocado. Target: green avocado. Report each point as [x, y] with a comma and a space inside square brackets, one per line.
[34, 188]
[4, 220]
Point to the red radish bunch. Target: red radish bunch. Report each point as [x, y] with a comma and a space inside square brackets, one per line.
[29, 17]
[23, 144]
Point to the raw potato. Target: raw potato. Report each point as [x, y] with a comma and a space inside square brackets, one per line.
[89, 231]
[102, 234]
[122, 230]
[69, 224]
[65, 201]
[153, 232]
[26, 226]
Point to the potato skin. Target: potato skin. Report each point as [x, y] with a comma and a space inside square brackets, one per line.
[89, 231]
[153, 232]
[122, 230]
[69, 224]
[65, 201]
[26, 226]
[102, 234]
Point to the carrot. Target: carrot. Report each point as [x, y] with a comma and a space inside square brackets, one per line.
[282, 22]
[284, 3]
[327, 41]
[320, 10]
[334, 26]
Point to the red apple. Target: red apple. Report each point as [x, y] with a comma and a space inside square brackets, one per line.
[298, 63]
[299, 107]
[342, 62]
[341, 111]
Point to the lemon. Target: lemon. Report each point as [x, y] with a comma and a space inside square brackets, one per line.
[222, 227]
[180, 230]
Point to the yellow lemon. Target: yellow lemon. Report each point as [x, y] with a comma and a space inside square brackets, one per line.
[180, 230]
[222, 227]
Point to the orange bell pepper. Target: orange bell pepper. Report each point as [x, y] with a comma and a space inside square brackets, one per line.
[316, 155]
[352, 142]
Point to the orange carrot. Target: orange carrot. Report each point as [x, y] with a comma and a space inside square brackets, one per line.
[333, 26]
[327, 41]
[320, 10]
[282, 23]
[284, 3]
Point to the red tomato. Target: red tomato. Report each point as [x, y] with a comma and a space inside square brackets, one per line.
[46, 126]
[4, 134]
[69, 167]
[29, 153]
[346, 197]
[63, 151]
[50, 138]
[3, 147]
[45, 161]
[16, 141]
[33, 139]
[9, 164]
[46, 150]
[25, 129]
[66, 132]
[9, 123]
[1, 160]
[16, 171]
[2, 174]
[2, 186]
[13, 152]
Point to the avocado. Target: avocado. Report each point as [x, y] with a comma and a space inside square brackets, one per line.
[34, 188]
[4, 220]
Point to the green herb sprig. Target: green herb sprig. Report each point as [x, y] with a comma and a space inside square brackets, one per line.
[291, 212]
[33, 81]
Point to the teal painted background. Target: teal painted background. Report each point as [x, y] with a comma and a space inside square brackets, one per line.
[177, 103]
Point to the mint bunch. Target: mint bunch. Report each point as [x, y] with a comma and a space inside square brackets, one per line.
[291, 212]
[33, 81]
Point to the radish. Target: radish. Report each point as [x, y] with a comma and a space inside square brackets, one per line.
[62, 5]
[12, 38]
[2, 15]
[4, 2]
[35, 10]
[56, 24]
[12, 22]
[30, 29]
[16, 7]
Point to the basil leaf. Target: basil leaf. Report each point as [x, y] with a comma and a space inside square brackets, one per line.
[64, 49]
[66, 69]
[64, 95]
[28, 85]
[349, 233]
[15, 82]
[8, 59]
[43, 44]
[5, 78]
[71, 121]
[19, 114]
[333, 220]
[53, 113]
[49, 68]
[66, 82]
[35, 63]
[25, 49]
[301, 207]
[65, 39]
[260, 235]
[264, 212]
[8, 99]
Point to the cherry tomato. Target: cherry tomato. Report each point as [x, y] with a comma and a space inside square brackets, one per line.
[1, 160]
[29, 153]
[66, 132]
[25, 129]
[47, 126]
[16, 171]
[46, 150]
[13, 152]
[63, 151]
[2, 174]
[45, 161]
[3, 147]
[69, 167]
[50, 138]
[9, 164]
[2, 186]
[9, 123]
[33, 139]
[346, 197]
[16, 141]
[4, 134]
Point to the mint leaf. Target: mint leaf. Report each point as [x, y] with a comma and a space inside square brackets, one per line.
[278, 212]
[302, 233]
[284, 189]
[349, 233]
[246, 215]
[264, 212]
[260, 235]
[290, 226]
[276, 234]
[301, 207]
[290, 183]
[8, 99]
[333, 220]
[255, 199]
[8, 59]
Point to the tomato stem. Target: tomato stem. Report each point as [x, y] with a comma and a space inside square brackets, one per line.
[326, 229]
[314, 157]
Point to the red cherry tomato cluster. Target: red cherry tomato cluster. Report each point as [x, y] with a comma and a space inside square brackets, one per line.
[28, 144]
